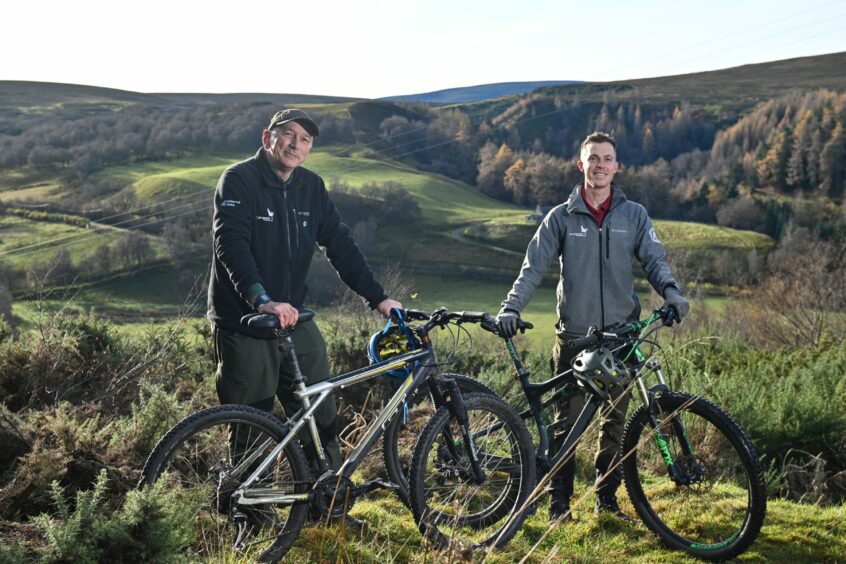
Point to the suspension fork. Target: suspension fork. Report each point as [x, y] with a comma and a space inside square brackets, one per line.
[677, 474]
[455, 405]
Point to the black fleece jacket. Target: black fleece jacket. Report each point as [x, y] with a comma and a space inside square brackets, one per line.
[265, 232]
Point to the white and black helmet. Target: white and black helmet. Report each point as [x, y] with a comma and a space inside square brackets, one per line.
[599, 370]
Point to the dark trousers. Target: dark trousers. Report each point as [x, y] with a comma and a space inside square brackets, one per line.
[254, 371]
[612, 421]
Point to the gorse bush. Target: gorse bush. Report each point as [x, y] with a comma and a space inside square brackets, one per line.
[788, 401]
[151, 525]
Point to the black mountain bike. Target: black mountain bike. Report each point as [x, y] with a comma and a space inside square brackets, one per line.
[691, 472]
[245, 473]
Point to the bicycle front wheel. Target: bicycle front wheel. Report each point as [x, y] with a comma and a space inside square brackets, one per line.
[402, 433]
[207, 456]
[715, 504]
[448, 501]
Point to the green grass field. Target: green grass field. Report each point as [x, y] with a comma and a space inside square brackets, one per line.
[23, 241]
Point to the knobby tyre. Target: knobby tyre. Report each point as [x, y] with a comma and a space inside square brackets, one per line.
[447, 503]
[720, 512]
[208, 455]
[401, 434]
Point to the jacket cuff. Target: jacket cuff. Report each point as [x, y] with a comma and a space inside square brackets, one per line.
[671, 288]
[254, 290]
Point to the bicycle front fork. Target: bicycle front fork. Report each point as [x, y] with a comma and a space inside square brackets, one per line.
[674, 470]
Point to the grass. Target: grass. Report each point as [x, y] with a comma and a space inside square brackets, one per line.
[791, 533]
[23, 241]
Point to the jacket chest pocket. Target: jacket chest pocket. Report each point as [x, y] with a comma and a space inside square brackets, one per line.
[618, 244]
[303, 230]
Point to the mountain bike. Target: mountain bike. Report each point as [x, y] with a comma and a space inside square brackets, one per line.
[691, 472]
[245, 472]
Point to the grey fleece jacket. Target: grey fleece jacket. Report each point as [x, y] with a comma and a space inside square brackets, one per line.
[596, 286]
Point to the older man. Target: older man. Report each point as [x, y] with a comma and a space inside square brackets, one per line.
[269, 214]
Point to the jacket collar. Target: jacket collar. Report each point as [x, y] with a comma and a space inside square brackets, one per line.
[575, 203]
[268, 176]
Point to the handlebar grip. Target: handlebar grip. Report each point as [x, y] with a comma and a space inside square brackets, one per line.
[416, 314]
[472, 316]
[583, 342]
[523, 325]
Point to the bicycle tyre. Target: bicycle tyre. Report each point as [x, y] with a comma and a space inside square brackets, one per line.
[399, 438]
[446, 505]
[198, 455]
[719, 514]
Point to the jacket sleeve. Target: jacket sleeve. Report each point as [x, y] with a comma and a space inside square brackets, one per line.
[542, 249]
[652, 256]
[344, 254]
[233, 234]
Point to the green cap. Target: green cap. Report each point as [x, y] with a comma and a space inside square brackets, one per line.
[293, 114]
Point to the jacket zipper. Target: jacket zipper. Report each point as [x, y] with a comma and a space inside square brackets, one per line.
[288, 239]
[296, 229]
[601, 285]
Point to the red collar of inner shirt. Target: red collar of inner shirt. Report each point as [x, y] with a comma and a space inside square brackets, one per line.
[600, 212]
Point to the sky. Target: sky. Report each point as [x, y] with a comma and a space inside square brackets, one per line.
[376, 48]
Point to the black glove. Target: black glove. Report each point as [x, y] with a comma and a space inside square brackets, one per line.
[506, 322]
[674, 299]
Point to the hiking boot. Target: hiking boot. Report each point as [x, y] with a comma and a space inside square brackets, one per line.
[609, 505]
[559, 511]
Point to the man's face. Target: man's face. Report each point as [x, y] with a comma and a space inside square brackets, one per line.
[287, 147]
[599, 163]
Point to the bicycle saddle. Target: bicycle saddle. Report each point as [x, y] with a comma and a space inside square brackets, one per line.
[270, 321]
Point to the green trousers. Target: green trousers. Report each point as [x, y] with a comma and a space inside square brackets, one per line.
[612, 422]
[254, 371]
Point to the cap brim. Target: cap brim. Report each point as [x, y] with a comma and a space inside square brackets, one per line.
[307, 124]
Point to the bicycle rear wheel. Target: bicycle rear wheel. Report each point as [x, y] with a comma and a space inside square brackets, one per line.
[715, 507]
[208, 455]
[403, 431]
[448, 504]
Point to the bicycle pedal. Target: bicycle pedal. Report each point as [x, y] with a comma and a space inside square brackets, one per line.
[372, 485]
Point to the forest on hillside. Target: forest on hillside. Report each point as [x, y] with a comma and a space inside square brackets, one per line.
[783, 161]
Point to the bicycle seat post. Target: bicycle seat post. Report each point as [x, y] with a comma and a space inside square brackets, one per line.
[286, 346]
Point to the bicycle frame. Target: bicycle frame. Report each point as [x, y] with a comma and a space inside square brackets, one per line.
[311, 397]
[534, 393]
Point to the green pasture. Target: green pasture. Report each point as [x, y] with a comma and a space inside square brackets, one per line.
[513, 233]
[442, 200]
[23, 241]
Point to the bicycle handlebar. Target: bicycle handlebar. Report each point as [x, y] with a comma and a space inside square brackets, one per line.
[441, 317]
[667, 315]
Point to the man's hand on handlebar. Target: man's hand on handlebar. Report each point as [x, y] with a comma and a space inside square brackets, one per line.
[385, 306]
[506, 322]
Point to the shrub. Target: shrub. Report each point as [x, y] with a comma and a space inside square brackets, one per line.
[151, 525]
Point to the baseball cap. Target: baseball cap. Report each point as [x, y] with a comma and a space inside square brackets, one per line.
[293, 114]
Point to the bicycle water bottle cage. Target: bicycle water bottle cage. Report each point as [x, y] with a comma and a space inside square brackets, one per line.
[395, 339]
[601, 372]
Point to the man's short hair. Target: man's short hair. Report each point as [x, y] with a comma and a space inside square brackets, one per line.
[598, 137]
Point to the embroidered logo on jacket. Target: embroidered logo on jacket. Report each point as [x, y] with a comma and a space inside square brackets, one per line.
[582, 233]
[654, 235]
[268, 218]
[230, 203]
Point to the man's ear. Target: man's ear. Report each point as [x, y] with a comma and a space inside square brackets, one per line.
[265, 139]
[581, 165]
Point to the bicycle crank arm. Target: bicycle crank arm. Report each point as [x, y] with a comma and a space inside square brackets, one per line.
[367, 487]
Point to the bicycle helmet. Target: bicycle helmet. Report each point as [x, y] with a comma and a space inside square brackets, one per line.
[600, 371]
[395, 339]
